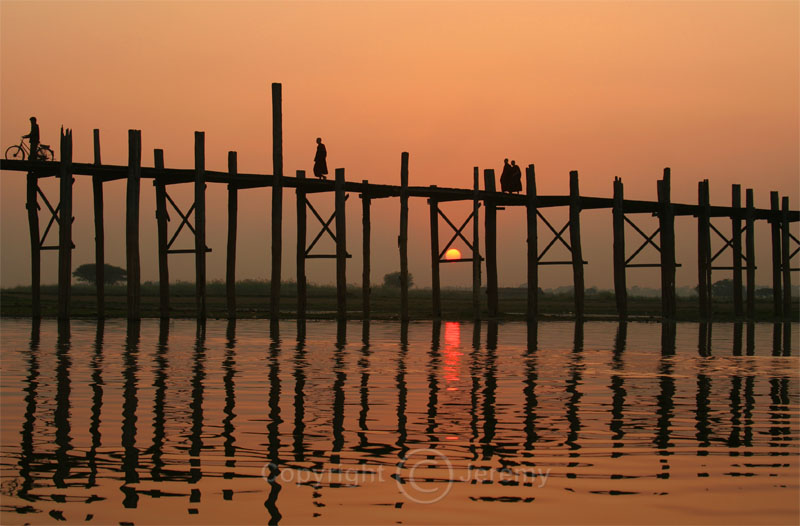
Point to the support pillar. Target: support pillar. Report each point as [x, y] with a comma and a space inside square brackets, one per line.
[200, 223]
[476, 255]
[777, 256]
[161, 223]
[341, 247]
[300, 193]
[703, 251]
[786, 266]
[750, 242]
[620, 282]
[233, 220]
[736, 231]
[666, 219]
[490, 229]
[277, 201]
[402, 239]
[99, 234]
[65, 227]
[366, 233]
[533, 243]
[575, 243]
[132, 224]
[436, 299]
[32, 205]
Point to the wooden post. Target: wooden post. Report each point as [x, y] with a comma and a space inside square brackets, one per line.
[300, 193]
[132, 223]
[703, 250]
[750, 242]
[490, 229]
[99, 235]
[476, 253]
[200, 223]
[277, 200]
[666, 219]
[785, 266]
[32, 205]
[161, 222]
[233, 219]
[620, 281]
[402, 239]
[775, 223]
[533, 243]
[366, 233]
[341, 247]
[736, 246]
[65, 227]
[436, 299]
[575, 243]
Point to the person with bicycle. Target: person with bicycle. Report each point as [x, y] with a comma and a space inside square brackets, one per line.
[34, 139]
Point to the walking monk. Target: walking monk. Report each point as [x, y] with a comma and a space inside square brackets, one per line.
[320, 162]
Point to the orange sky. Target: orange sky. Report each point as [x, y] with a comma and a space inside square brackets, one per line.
[607, 88]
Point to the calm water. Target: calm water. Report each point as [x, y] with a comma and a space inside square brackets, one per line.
[172, 423]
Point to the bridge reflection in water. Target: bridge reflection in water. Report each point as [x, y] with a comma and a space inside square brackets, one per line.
[252, 422]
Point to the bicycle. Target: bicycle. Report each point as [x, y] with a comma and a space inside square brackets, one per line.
[20, 151]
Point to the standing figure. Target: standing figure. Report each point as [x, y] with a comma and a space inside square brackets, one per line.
[516, 178]
[505, 177]
[34, 138]
[320, 162]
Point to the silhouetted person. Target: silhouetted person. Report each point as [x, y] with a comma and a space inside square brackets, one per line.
[505, 177]
[516, 178]
[34, 138]
[320, 162]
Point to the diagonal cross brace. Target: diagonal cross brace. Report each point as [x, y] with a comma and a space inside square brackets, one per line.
[648, 240]
[184, 221]
[556, 238]
[457, 231]
[797, 249]
[728, 242]
[54, 218]
[325, 225]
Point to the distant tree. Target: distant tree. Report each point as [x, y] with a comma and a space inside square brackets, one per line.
[392, 280]
[764, 292]
[723, 288]
[111, 274]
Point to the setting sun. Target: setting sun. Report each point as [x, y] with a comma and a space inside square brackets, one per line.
[452, 254]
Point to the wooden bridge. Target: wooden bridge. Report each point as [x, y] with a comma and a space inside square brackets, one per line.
[784, 245]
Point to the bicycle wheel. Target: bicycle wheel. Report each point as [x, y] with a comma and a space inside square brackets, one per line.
[46, 154]
[15, 153]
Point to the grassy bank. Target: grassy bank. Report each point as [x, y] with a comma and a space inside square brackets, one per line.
[253, 302]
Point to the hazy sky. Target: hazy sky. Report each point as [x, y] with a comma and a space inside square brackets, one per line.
[709, 89]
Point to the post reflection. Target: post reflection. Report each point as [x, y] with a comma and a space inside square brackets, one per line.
[229, 383]
[475, 369]
[402, 393]
[558, 407]
[97, 402]
[434, 360]
[617, 424]
[130, 454]
[31, 387]
[529, 391]
[160, 397]
[665, 402]
[340, 378]
[61, 416]
[573, 394]
[300, 365]
[273, 427]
